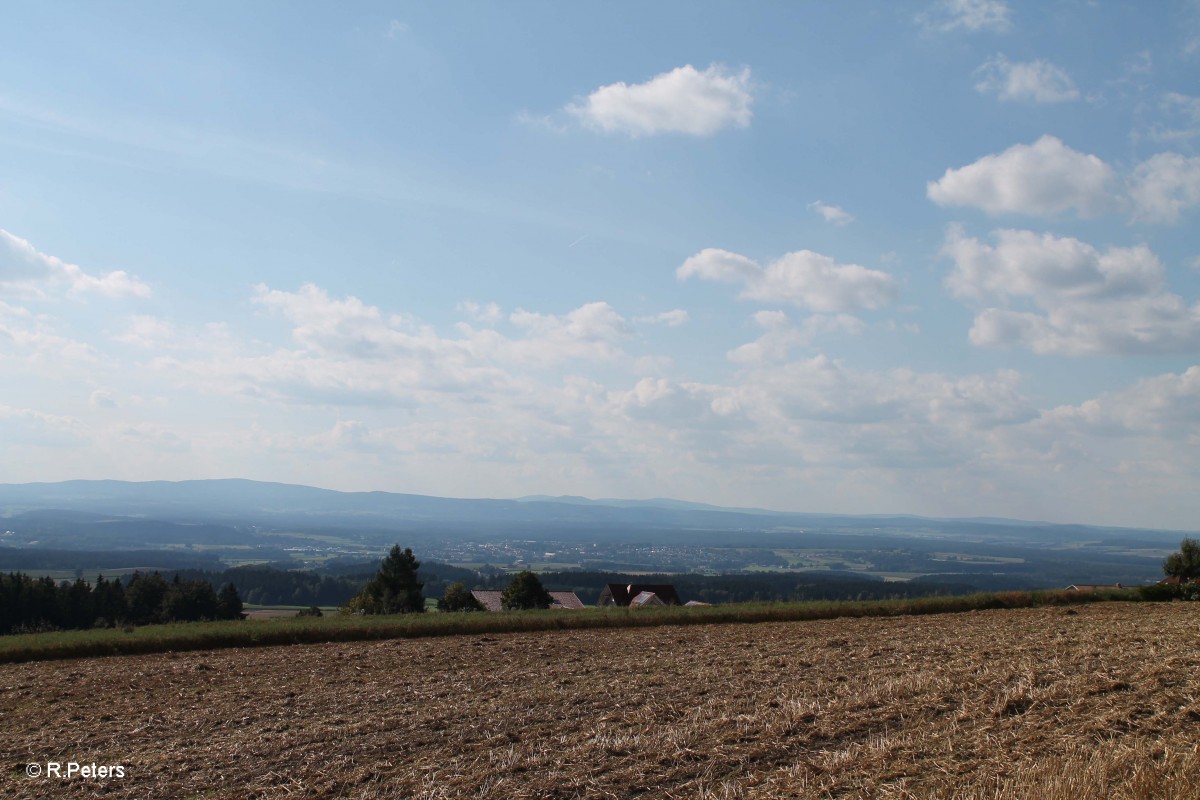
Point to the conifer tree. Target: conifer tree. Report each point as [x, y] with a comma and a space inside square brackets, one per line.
[229, 604]
[394, 589]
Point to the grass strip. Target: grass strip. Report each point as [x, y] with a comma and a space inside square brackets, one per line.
[352, 628]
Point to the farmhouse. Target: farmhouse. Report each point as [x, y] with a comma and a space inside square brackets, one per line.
[638, 595]
[490, 600]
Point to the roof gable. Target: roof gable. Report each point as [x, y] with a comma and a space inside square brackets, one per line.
[492, 600]
[622, 594]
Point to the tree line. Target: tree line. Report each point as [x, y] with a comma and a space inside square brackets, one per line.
[278, 585]
[30, 604]
[397, 588]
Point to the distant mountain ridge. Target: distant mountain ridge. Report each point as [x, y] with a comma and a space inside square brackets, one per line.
[247, 502]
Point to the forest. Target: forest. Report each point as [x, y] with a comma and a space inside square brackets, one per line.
[31, 605]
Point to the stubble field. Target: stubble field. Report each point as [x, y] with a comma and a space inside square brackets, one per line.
[1095, 701]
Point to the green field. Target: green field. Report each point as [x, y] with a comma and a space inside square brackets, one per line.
[343, 627]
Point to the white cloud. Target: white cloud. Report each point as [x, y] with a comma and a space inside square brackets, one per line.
[1048, 178]
[672, 319]
[1182, 118]
[1036, 81]
[147, 332]
[102, 398]
[684, 100]
[945, 16]
[589, 332]
[832, 214]
[802, 278]
[780, 335]
[1162, 405]
[25, 268]
[30, 340]
[347, 352]
[395, 28]
[488, 313]
[1165, 186]
[26, 426]
[1044, 178]
[1083, 301]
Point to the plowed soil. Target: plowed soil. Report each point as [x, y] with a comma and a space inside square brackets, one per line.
[1099, 701]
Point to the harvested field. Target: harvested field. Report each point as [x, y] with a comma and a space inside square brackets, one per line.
[1096, 701]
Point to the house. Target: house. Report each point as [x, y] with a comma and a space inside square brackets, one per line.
[623, 595]
[491, 600]
[1093, 587]
[646, 600]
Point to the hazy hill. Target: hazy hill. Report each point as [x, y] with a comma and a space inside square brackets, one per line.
[241, 503]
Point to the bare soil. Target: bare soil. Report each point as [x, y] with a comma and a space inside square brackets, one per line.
[1095, 701]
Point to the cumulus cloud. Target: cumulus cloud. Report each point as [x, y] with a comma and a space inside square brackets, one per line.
[780, 335]
[1079, 300]
[591, 331]
[672, 319]
[1036, 81]
[30, 340]
[684, 100]
[832, 214]
[25, 268]
[1165, 186]
[1161, 405]
[802, 278]
[346, 351]
[1044, 178]
[973, 16]
[1048, 178]
[145, 331]
[488, 313]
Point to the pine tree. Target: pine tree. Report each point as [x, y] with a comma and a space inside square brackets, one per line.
[229, 604]
[394, 589]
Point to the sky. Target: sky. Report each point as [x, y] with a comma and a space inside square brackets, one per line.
[937, 257]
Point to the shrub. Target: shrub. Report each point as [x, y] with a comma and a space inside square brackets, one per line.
[525, 591]
[458, 598]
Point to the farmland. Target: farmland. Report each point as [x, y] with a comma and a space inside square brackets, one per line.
[1088, 701]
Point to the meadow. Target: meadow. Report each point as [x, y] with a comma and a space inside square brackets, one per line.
[270, 631]
[1058, 703]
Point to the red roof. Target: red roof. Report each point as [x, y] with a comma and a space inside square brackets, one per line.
[491, 600]
[620, 594]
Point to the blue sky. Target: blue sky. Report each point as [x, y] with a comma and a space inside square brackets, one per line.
[932, 257]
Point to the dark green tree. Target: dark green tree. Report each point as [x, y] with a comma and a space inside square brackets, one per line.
[145, 595]
[459, 598]
[78, 608]
[394, 589]
[1185, 564]
[189, 601]
[525, 591]
[229, 604]
[109, 600]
